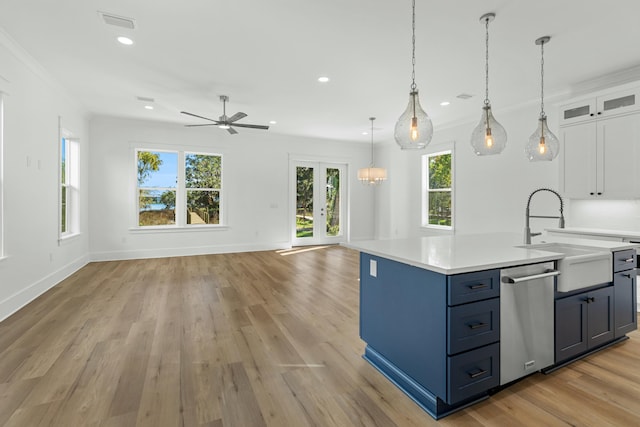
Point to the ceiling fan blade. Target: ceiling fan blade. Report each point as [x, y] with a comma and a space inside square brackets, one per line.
[206, 124]
[242, 125]
[200, 117]
[236, 116]
[232, 131]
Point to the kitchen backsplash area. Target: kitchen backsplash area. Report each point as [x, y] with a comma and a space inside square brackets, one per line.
[621, 215]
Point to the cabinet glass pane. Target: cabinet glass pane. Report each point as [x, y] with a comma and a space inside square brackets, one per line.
[625, 101]
[577, 112]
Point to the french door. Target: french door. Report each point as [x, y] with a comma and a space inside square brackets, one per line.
[318, 209]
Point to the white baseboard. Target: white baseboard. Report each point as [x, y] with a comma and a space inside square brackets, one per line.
[197, 250]
[18, 300]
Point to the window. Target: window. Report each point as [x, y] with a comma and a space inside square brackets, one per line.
[437, 184]
[1, 175]
[157, 185]
[177, 188]
[69, 206]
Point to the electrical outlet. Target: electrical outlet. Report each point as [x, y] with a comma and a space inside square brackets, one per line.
[373, 268]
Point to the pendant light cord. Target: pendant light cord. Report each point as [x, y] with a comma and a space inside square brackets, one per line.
[486, 64]
[413, 51]
[542, 113]
[372, 119]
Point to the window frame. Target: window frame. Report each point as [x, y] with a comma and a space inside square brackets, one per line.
[439, 150]
[181, 191]
[72, 184]
[2, 234]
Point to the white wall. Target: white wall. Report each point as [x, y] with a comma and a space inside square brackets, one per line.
[32, 104]
[490, 191]
[622, 215]
[256, 188]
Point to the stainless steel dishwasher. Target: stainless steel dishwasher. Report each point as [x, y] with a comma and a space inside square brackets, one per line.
[526, 320]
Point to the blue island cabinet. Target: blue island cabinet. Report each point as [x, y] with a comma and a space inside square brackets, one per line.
[434, 336]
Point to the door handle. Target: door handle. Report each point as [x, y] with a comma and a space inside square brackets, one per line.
[550, 273]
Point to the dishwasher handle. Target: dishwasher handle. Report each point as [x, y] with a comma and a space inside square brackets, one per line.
[548, 273]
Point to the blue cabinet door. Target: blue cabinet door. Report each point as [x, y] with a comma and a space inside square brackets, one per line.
[626, 319]
[571, 326]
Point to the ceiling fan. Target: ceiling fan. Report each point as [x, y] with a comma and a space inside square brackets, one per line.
[225, 122]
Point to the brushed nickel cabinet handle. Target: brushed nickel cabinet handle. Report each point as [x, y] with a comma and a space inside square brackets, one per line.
[476, 287]
[477, 374]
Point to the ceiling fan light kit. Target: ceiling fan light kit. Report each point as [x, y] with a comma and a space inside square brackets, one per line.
[225, 122]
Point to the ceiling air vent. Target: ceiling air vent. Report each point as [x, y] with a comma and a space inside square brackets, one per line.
[145, 99]
[464, 96]
[118, 21]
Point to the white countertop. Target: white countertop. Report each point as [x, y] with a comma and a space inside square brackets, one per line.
[472, 252]
[598, 232]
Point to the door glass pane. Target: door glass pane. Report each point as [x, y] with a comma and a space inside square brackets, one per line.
[333, 202]
[304, 202]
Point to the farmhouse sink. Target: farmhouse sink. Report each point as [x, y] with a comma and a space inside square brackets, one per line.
[582, 266]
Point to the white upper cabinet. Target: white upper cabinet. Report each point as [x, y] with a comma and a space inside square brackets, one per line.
[601, 147]
[600, 107]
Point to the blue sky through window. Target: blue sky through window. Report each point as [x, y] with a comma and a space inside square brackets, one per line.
[167, 175]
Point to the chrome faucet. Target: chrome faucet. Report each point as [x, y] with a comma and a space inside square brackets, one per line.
[527, 231]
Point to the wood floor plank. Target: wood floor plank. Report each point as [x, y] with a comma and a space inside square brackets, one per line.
[251, 339]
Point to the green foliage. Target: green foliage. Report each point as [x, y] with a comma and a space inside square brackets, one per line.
[440, 171]
[304, 190]
[333, 202]
[168, 199]
[203, 172]
[147, 162]
[440, 179]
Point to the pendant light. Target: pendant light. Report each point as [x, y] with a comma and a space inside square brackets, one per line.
[543, 144]
[372, 175]
[414, 128]
[489, 137]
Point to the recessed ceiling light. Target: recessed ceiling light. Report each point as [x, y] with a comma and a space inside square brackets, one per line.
[272, 122]
[149, 107]
[125, 40]
[365, 133]
[445, 103]
[323, 79]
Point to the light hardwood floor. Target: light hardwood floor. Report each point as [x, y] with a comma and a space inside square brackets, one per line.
[253, 339]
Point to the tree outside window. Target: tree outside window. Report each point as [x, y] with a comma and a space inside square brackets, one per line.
[437, 184]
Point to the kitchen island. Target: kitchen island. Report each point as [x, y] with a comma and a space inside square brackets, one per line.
[430, 313]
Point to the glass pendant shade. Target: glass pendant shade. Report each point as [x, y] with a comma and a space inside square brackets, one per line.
[543, 144]
[489, 137]
[372, 175]
[414, 128]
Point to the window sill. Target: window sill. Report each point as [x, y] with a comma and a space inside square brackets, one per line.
[178, 229]
[68, 238]
[438, 228]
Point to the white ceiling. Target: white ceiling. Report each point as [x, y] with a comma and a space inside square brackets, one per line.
[267, 56]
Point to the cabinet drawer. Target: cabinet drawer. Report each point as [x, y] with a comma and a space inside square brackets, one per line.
[470, 287]
[473, 325]
[473, 372]
[624, 260]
